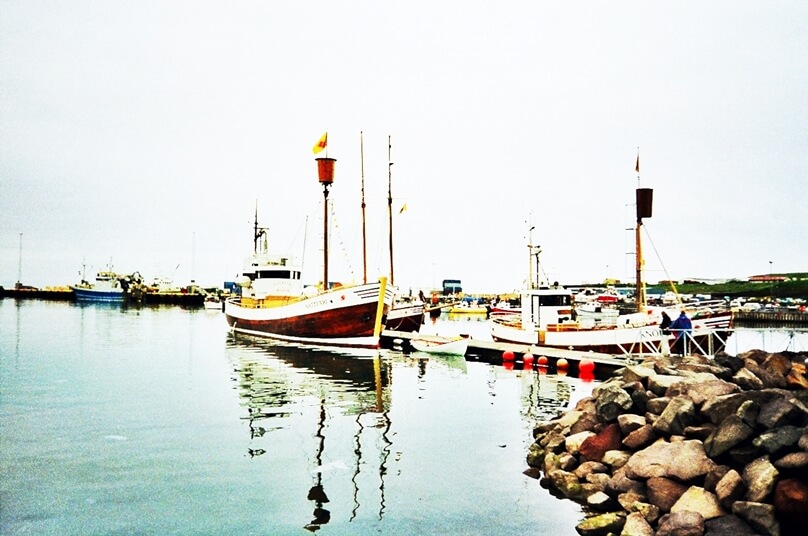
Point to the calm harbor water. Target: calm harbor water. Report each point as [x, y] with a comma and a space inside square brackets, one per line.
[157, 420]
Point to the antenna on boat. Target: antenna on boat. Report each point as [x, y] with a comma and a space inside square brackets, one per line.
[531, 252]
[193, 258]
[258, 232]
[19, 267]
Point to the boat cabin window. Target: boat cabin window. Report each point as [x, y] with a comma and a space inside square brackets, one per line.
[278, 274]
[558, 300]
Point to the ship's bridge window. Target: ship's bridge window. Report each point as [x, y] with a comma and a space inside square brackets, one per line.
[555, 301]
[275, 274]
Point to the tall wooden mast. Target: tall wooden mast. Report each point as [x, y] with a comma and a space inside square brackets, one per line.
[364, 227]
[390, 205]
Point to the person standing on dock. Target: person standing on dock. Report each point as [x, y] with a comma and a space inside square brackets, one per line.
[665, 325]
[681, 327]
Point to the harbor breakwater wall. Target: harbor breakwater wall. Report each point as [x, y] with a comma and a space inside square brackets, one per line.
[687, 447]
[184, 299]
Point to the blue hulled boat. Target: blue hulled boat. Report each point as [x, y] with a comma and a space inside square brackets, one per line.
[107, 287]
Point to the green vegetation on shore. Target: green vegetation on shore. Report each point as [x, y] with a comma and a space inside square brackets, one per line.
[795, 287]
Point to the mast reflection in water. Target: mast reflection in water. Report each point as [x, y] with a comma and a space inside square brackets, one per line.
[278, 384]
[334, 410]
[155, 420]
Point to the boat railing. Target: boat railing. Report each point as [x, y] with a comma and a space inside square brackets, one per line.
[708, 342]
[648, 343]
[704, 341]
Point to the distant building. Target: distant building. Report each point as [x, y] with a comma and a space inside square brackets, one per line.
[452, 286]
[768, 279]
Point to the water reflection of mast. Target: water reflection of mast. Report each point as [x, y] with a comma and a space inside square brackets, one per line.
[271, 386]
[317, 493]
[380, 409]
[385, 449]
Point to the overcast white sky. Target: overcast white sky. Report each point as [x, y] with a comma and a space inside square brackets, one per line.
[145, 132]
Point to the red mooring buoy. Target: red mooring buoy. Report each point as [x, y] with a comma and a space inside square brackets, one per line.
[528, 360]
[543, 361]
[507, 355]
[562, 364]
[586, 367]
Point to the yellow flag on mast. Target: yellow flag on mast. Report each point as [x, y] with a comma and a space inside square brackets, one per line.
[320, 145]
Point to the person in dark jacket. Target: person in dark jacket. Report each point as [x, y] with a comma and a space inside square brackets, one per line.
[666, 322]
[681, 327]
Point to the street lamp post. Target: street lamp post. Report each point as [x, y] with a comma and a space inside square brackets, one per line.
[771, 283]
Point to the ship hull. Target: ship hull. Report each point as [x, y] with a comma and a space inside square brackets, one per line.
[96, 295]
[406, 319]
[347, 317]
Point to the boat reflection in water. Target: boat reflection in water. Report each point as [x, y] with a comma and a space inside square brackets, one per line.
[381, 441]
[278, 381]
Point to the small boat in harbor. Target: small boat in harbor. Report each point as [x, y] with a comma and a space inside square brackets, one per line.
[274, 302]
[212, 303]
[107, 287]
[453, 346]
[465, 307]
[595, 313]
[503, 308]
[405, 317]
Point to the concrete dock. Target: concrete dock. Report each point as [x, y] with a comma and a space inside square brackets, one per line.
[184, 299]
[491, 351]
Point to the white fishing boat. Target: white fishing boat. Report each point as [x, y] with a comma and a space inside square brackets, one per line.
[546, 318]
[594, 313]
[453, 346]
[273, 302]
[212, 303]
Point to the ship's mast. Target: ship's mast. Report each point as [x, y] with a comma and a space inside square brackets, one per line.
[258, 232]
[638, 262]
[645, 201]
[390, 205]
[325, 174]
[364, 227]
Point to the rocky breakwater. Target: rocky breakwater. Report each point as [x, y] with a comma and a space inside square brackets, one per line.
[687, 447]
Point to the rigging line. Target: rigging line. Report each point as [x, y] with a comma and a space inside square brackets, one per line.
[337, 231]
[664, 269]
